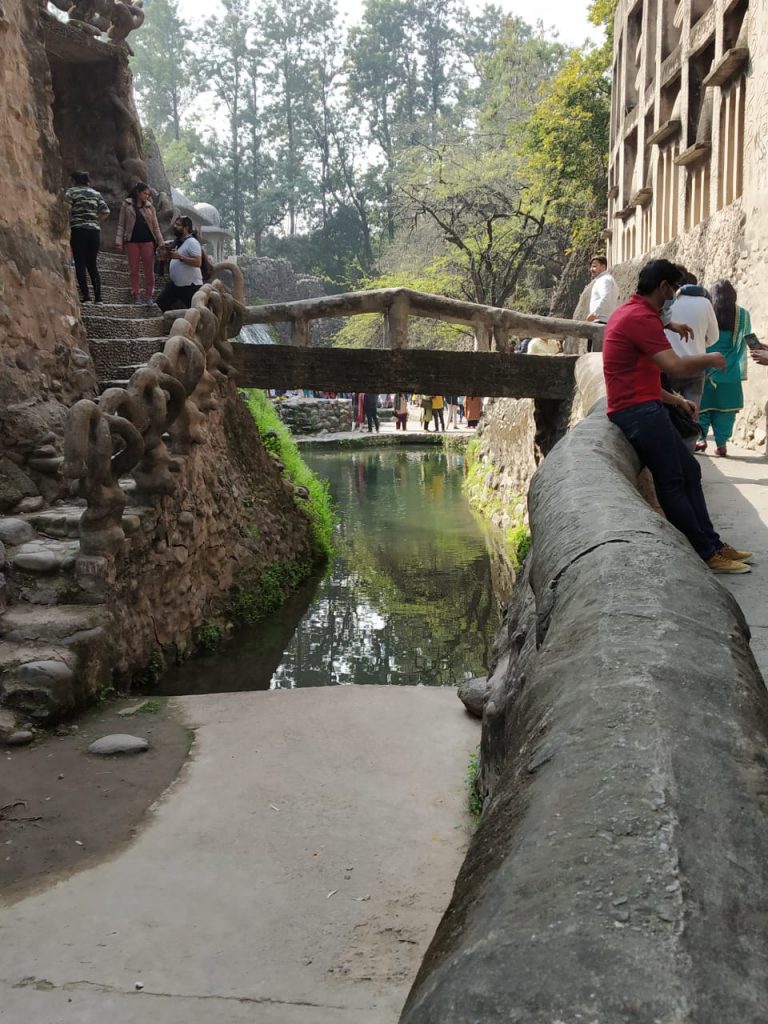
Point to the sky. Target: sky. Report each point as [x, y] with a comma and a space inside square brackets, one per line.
[568, 17]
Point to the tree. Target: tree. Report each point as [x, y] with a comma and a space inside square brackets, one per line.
[482, 211]
[164, 68]
[225, 63]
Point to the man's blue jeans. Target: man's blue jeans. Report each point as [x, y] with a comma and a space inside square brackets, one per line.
[675, 471]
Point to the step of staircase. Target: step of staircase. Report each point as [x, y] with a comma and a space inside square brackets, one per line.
[110, 327]
[122, 310]
[113, 261]
[114, 278]
[23, 623]
[110, 353]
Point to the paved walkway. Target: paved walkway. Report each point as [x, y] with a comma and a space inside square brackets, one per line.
[294, 874]
[737, 495]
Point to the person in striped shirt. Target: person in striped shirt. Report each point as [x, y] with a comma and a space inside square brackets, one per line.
[87, 209]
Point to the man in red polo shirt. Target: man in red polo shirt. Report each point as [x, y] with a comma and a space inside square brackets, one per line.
[635, 352]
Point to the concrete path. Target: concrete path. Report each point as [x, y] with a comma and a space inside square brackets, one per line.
[294, 873]
[736, 489]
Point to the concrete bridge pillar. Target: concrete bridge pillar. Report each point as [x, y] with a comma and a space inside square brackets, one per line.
[396, 323]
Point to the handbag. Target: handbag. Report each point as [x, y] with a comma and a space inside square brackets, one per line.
[685, 425]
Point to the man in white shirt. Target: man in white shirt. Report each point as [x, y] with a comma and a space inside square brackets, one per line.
[184, 270]
[691, 306]
[604, 297]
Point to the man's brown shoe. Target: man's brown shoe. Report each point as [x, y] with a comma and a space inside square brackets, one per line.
[734, 554]
[719, 563]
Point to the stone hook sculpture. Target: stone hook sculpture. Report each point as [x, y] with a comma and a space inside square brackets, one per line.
[124, 433]
[89, 458]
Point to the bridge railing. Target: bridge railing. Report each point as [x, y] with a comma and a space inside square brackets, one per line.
[490, 324]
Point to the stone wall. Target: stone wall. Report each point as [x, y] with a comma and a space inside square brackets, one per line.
[44, 361]
[315, 415]
[619, 868]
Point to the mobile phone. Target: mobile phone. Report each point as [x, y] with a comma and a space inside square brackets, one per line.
[752, 341]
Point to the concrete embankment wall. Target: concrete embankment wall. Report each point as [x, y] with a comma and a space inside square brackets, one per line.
[620, 869]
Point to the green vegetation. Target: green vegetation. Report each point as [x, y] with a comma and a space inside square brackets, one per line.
[148, 676]
[153, 706]
[518, 543]
[427, 145]
[209, 637]
[474, 798]
[259, 593]
[278, 441]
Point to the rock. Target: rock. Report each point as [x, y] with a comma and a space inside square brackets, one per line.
[30, 504]
[2, 554]
[301, 492]
[133, 709]
[44, 673]
[118, 743]
[473, 694]
[14, 485]
[46, 465]
[20, 738]
[15, 531]
[36, 561]
[7, 723]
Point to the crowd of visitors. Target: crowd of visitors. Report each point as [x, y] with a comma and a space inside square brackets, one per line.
[664, 386]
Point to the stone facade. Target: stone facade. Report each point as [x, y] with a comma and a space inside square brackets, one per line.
[44, 360]
[315, 415]
[688, 176]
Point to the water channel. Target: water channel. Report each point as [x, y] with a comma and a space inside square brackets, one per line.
[408, 599]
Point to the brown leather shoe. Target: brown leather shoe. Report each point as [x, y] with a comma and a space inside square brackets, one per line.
[727, 551]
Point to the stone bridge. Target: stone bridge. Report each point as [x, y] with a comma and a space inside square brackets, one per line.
[498, 373]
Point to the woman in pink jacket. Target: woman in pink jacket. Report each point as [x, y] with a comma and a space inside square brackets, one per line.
[138, 233]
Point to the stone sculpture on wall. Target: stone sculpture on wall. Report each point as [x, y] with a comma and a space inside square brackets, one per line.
[125, 432]
[114, 18]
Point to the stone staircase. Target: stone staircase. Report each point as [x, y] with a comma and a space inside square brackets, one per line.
[121, 335]
[52, 628]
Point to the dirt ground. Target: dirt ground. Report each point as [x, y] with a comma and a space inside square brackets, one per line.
[62, 809]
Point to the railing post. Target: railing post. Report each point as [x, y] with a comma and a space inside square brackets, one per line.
[501, 337]
[482, 336]
[396, 323]
[300, 333]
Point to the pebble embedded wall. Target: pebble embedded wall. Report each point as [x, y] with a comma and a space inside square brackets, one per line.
[44, 361]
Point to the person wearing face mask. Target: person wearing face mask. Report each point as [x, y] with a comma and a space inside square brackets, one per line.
[723, 395]
[635, 353]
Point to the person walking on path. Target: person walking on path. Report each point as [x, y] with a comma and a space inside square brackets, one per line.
[87, 209]
[437, 412]
[723, 396]
[692, 307]
[473, 407]
[426, 411]
[453, 411]
[185, 273]
[635, 352]
[401, 411]
[138, 232]
[371, 407]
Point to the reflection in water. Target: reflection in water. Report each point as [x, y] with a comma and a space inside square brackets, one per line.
[408, 600]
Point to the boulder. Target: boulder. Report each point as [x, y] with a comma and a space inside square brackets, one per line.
[118, 743]
[473, 694]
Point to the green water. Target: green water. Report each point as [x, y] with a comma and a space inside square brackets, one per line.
[408, 599]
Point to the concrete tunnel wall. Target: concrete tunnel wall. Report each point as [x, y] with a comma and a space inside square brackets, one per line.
[620, 870]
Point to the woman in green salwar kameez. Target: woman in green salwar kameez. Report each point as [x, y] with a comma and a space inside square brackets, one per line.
[723, 396]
